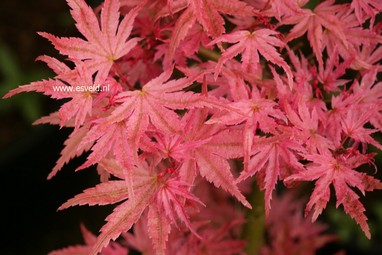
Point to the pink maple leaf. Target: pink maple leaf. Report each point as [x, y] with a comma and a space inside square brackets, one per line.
[250, 44]
[290, 232]
[153, 102]
[365, 9]
[306, 128]
[272, 158]
[113, 248]
[339, 171]
[210, 158]
[104, 44]
[257, 113]
[207, 14]
[314, 22]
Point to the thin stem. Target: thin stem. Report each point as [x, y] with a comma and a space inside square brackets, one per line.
[209, 54]
[255, 226]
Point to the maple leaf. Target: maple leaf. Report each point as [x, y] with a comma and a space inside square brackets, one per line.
[364, 9]
[109, 138]
[306, 128]
[90, 239]
[125, 215]
[155, 102]
[356, 36]
[353, 126]
[256, 112]
[313, 22]
[170, 201]
[210, 158]
[272, 158]
[292, 233]
[104, 44]
[339, 171]
[207, 14]
[249, 44]
[73, 148]
[71, 84]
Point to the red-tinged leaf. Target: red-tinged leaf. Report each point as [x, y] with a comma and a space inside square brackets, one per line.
[90, 239]
[86, 21]
[112, 166]
[338, 170]
[101, 148]
[75, 48]
[180, 31]
[271, 158]
[364, 9]
[105, 193]
[249, 44]
[217, 170]
[109, 21]
[125, 28]
[111, 138]
[173, 197]
[77, 250]
[52, 119]
[352, 124]
[352, 206]
[57, 66]
[104, 44]
[72, 149]
[313, 22]
[159, 228]
[208, 17]
[155, 102]
[44, 86]
[188, 171]
[226, 144]
[124, 216]
[320, 197]
[207, 13]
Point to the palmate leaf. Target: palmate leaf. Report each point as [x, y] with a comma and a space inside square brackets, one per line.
[211, 157]
[340, 172]
[249, 45]
[208, 14]
[104, 44]
[270, 159]
[314, 22]
[155, 103]
[125, 216]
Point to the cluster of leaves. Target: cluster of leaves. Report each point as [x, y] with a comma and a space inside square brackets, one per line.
[198, 86]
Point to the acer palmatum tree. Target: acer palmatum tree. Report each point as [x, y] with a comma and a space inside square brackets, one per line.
[210, 101]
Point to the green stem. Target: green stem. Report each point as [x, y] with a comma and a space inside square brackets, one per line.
[255, 226]
[209, 54]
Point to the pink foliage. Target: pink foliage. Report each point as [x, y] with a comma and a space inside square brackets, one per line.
[202, 96]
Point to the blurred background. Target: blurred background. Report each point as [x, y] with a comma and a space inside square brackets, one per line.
[30, 223]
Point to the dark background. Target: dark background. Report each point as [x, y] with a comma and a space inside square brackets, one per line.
[30, 223]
